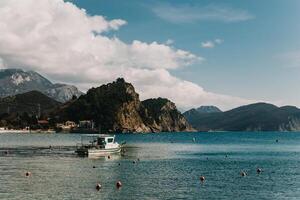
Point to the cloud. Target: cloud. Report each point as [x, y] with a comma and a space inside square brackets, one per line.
[219, 41]
[208, 44]
[211, 44]
[63, 42]
[193, 13]
[169, 42]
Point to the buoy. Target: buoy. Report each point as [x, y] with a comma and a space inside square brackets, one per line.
[118, 184]
[138, 160]
[243, 173]
[108, 157]
[98, 186]
[258, 170]
[5, 152]
[28, 174]
[94, 166]
[133, 162]
[277, 140]
[202, 178]
[119, 164]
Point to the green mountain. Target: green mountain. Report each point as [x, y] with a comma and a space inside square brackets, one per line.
[254, 117]
[23, 110]
[32, 102]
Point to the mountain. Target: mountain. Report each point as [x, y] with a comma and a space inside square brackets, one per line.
[62, 92]
[253, 117]
[193, 113]
[17, 81]
[23, 110]
[208, 109]
[161, 115]
[33, 102]
[116, 107]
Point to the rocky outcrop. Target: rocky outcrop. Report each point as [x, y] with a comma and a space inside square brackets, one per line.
[116, 107]
[17, 81]
[62, 92]
[161, 115]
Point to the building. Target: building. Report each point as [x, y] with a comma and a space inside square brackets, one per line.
[68, 125]
[86, 124]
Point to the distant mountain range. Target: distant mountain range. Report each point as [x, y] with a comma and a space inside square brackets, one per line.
[116, 107]
[17, 81]
[254, 117]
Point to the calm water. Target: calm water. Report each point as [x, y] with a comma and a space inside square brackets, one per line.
[169, 167]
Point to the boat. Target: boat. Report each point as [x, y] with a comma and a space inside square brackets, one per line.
[98, 145]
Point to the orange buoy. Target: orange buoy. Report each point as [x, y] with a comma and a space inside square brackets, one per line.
[202, 178]
[98, 186]
[258, 170]
[27, 174]
[243, 173]
[118, 184]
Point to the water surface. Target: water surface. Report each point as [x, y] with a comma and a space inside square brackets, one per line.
[169, 168]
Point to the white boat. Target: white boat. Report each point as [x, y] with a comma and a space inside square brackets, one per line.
[98, 145]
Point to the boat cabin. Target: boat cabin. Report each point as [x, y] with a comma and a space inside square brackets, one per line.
[105, 140]
[98, 141]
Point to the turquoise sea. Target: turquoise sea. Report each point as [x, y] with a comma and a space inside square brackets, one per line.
[169, 167]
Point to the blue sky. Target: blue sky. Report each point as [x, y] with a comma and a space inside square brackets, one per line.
[256, 59]
[223, 53]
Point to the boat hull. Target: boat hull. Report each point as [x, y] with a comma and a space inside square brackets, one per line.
[97, 152]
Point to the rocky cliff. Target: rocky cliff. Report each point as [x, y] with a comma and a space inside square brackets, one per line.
[161, 115]
[116, 107]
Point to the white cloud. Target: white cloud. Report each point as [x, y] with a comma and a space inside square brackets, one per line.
[211, 44]
[192, 13]
[63, 42]
[169, 42]
[208, 44]
[219, 41]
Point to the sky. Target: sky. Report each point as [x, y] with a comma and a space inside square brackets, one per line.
[223, 53]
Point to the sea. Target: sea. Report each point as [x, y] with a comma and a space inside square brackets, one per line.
[154, 166]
